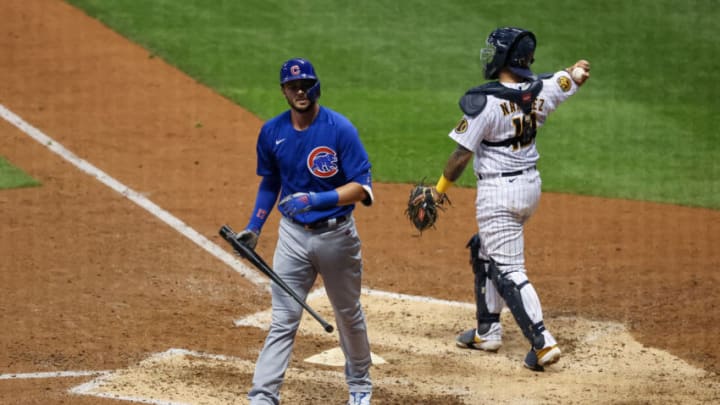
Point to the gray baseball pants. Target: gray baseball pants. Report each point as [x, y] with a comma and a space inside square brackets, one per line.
[300, 256]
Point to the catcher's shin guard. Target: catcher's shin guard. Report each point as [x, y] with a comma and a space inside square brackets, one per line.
[513, 298]
[479, 266]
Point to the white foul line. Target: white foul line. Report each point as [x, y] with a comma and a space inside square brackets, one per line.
[51, 374]
[176, 224]
[133, 196]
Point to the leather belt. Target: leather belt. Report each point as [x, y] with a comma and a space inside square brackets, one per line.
[504, 174]
[324, 223]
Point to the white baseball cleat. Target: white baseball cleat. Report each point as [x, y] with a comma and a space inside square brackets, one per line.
[359, 398]
[536, 360]
[548, 355]
[471, 340]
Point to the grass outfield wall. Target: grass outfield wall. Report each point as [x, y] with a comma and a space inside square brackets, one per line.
[642, 128]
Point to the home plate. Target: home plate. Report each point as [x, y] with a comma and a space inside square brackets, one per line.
[336, 358]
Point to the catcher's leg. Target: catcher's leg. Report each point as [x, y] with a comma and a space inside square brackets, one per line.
[522, 299]
[488, 335]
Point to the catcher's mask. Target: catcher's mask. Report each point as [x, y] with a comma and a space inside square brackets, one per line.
[509, 47]
[301, 69]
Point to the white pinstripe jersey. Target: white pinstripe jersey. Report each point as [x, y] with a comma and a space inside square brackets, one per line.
[501, 120]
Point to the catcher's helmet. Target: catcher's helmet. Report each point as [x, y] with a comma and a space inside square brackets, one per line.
[509, 47]
[301, 69]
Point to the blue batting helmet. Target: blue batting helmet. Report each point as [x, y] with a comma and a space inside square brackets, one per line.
[301, 69]
[509, 47]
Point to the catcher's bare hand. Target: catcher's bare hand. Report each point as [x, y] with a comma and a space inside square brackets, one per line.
[583, 72]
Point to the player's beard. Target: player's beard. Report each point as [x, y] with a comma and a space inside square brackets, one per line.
[301, 110]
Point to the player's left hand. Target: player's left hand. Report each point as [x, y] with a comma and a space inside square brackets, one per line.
[249, 237]
[295, 204]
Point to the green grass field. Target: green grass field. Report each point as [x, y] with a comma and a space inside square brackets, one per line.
[12, 177]
[642, 127]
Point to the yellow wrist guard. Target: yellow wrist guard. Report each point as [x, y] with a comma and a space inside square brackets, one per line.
[443, 184]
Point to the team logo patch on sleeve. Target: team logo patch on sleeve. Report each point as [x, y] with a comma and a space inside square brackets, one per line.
[462, 126]
[322, 162]
[564, 83]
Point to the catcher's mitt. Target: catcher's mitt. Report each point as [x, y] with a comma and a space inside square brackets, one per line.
[423, 206]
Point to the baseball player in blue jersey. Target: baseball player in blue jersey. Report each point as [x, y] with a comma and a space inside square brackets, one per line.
[498, 129]
[312, 158]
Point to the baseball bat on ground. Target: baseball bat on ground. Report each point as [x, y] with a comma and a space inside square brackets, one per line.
[246, 252]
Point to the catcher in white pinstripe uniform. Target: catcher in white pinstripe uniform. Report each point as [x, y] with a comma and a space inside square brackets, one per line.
[498, 129]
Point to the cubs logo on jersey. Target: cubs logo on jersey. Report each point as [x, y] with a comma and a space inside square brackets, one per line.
[322, 162]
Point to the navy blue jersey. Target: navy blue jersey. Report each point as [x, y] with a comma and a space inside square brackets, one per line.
[325, 156]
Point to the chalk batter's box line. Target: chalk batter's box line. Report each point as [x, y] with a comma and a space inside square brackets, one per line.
[257, 319]
[134, 196]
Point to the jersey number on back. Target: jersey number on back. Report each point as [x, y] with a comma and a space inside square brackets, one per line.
[525, 130]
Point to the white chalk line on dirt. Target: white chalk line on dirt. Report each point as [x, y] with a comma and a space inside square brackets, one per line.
[168, 218]
[183, 229]
[258, 319]
[417, 298]
[51, 374]
[90, 388]
[87, 388]
[133, 196]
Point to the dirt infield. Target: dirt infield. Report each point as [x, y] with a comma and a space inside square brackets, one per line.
[90, 281]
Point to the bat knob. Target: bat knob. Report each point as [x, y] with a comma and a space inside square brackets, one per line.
[226, 232]
[329, 328]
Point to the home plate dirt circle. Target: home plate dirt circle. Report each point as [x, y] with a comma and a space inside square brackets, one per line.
[416, 333]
